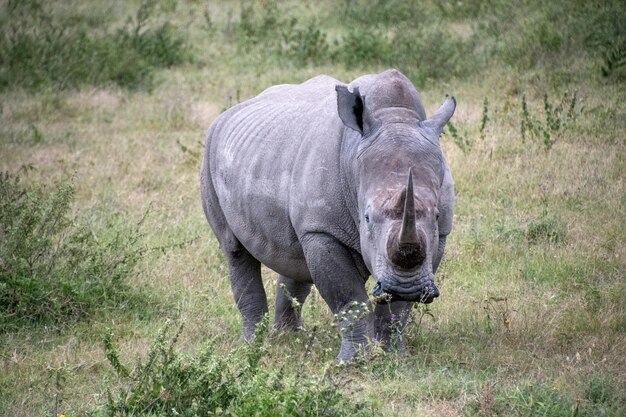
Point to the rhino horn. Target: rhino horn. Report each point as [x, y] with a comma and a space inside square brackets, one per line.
[408, 234]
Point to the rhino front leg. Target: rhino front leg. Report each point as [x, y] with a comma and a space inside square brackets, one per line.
[342, 286]
[290, 296]
[247, 288]
[390, 321]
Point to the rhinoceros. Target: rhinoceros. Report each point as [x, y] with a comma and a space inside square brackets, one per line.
[329, 184]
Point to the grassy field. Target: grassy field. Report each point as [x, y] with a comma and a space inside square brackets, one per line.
[103, 239]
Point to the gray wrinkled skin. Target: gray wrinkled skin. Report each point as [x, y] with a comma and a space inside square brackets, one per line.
[312, 180]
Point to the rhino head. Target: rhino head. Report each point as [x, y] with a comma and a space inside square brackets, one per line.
[398, 172]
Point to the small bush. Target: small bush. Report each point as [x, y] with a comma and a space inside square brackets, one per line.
[558, 117]
[431, 53]
[539, 35]
[363, 47]
[375, 13]
[38, 48]
[601, 390]
[282, 37]
[395, 36]
[547, 228]
[259, 23]
[464, 9]
[305, 44]
[460, 139]
[604, 36]
[53, 270]
[532, 45]
[438, 41]
[236, 384]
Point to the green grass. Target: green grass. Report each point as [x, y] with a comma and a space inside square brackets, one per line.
[54, 270]
[531, 318]
[233, 384]
[39, 47]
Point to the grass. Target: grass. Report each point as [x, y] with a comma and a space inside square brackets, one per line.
[40, 47]
[55, 271]
[531, 318]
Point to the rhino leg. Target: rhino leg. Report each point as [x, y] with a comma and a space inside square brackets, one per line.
[341, 284]
[245, 281]
[389, 323]
[247, 288]
[244, 269]
[290, 296]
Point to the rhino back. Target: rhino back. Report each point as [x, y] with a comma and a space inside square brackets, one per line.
[274, 167]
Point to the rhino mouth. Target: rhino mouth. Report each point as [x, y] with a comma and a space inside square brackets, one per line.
[421, 289]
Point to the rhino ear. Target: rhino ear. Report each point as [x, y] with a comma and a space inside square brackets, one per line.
[438, 121]
[350, 107]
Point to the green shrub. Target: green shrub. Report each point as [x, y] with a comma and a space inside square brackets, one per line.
[431, 53]
[304, 45]
[601, 390]
[282, 37]
[258, 23]
[404, 35]
[547, 228]
[534, 44]
[236, 384]
[614, 57]
[375, 13]
[467, 9]
[439, 41]
[558, 117]
[52, 269]
[38, 48]
[539, 35]
[604, 35]
[363, 47]
[460, 139]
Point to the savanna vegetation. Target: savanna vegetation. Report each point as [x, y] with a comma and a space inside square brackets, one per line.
[114, 297]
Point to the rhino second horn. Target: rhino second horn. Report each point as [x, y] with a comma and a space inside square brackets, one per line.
[408, 234]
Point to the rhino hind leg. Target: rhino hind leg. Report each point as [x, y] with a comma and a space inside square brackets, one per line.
[290, 296]
[247, 288]
[244, 270]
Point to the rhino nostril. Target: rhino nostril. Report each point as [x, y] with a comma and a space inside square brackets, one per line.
[405, 255]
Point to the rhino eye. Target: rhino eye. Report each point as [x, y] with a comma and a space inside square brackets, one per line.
[367, 218]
